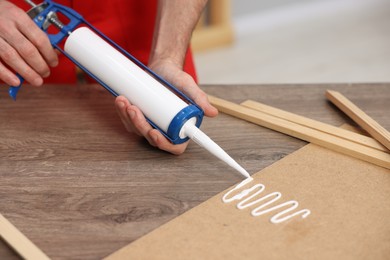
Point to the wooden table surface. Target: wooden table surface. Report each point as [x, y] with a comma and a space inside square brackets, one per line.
[81, 187]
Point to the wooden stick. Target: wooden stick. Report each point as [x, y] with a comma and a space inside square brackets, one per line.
[361, 118]
[305, 133]
[19, 242]
[330, 129]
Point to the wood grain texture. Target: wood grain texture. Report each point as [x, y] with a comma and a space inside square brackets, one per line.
[360, 117]
[80, 187]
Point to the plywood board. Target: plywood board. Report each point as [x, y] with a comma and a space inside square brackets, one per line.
[348, 199]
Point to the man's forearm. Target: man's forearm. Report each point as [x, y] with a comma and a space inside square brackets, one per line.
[175, 22]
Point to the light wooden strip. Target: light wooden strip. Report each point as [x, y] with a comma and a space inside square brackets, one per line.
[305, 133]
[361, 118]
[330, 129]
[19, 242]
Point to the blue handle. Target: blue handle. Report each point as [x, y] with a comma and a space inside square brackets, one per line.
[13, 90]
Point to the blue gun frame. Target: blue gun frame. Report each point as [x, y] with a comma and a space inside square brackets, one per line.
[75, 20]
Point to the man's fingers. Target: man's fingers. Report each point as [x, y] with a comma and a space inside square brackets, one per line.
[38, 38]
[8, 77]
[189, 87]
[202, 100]
[134, 121]
[139, 122]
[23, 46]
[29, 53]
[164, 144]
[12, 58]
[121, 105]
[132, 118]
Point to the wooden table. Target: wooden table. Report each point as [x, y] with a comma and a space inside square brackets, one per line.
[80, 187]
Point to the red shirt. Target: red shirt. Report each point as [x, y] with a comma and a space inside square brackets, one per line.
[129, 23]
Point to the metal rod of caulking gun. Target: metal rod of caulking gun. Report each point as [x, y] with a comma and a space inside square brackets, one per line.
[51, 17]
[30, 2]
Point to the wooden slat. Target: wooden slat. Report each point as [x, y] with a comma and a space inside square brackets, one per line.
[305, 133]
[317, 125]
[19, 242]
[361, 118]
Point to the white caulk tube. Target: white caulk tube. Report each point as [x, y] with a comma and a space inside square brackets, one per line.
[174, 117]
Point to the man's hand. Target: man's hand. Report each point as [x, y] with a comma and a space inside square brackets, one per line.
[175, 22]
[23, 47]
[134, 120]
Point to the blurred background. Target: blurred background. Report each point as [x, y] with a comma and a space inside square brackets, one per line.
[293, 41]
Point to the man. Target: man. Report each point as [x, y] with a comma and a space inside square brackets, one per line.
[158, 34]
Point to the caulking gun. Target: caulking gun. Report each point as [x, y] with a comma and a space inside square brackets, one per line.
[166, 108]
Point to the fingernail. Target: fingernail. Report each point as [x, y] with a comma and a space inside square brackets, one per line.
[47, 74]
[155, 138]
[38, 82]
[121, 105]
[131, 113]
[15, 81]
[54, 63]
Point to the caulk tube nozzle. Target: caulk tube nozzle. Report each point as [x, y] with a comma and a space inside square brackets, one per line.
[203, 140]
